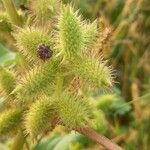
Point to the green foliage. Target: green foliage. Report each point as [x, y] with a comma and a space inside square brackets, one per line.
[5, 55]
[120, 107]
[105, 102]
[49, 143]
[57, 142]
[116, 10]
[66, 141]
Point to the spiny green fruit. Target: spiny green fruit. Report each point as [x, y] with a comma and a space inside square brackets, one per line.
[105, 101]
[44, 10]
[38, 118]
[92, 71]
[7, 80]
[12, 12]
[70, 36]
[74, 35]
[99, 122]
[90, 33]
[9, 120]
[5, 24]
[28, 40]
[36, 82]
[73, 110]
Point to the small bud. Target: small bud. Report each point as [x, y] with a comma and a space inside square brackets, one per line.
[44, 52]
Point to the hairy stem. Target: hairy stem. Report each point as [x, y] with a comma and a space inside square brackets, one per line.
[98, 138]
[18, 141]
[12, 12]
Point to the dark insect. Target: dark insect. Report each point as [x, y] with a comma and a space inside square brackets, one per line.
[44, 52]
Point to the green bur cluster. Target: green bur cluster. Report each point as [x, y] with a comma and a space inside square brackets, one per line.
[69, 40]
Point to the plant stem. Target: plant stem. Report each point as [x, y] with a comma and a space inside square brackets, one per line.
[136, 101]
[98, 138]
[12, 12]
[18, 141]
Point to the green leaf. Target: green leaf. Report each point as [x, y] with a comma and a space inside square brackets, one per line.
[3, 147]
[3, 50]
[6, 55]
[48, 143]
[66, 141]
[120, 107]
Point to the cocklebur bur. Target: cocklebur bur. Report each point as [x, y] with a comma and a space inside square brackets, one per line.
[56, 54]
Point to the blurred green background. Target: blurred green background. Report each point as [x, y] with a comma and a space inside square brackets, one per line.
[125, 116]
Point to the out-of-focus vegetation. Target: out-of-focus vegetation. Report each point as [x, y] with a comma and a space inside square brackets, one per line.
[125, 41]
